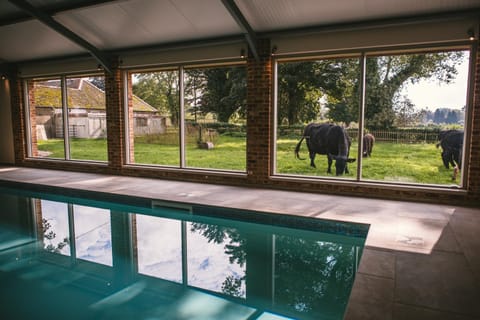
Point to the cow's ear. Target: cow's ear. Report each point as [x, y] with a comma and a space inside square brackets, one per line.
[351, 160]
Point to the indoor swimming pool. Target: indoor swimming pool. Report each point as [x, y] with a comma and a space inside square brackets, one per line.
[63, 257]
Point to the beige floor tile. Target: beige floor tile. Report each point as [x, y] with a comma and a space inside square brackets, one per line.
[378, 263]
[439, 281]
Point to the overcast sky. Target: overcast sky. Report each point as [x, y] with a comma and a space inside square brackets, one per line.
[429, 94]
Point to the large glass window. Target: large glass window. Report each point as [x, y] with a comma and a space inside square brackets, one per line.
[192, 117]
[46, 117]
[410, 108]
[215, 117]
[412, 100]
[310, 94]
[154, 117]
[87, 121]
[76, 103]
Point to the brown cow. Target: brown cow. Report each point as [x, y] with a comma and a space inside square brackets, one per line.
[368, 141]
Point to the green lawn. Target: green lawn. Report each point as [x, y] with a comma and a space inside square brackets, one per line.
[416, 163]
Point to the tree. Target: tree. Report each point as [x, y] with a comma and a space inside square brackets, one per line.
[160, 90]
[301, 85]
[225, 92]
[386, 75]
[195, 82]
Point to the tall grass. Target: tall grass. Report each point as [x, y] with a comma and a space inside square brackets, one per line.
[410, 163]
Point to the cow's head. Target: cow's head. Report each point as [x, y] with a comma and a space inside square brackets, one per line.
[341, 164]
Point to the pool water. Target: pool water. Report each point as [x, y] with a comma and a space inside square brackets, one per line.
[72, 258]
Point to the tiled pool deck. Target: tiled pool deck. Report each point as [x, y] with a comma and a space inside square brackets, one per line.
[422, 261]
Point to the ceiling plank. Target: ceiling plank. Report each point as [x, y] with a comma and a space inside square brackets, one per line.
[104, 59]
[52, 9]
[244, 25]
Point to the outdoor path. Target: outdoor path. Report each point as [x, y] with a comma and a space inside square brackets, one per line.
[421, 261]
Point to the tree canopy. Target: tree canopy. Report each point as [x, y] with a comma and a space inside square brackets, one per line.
[305, 87]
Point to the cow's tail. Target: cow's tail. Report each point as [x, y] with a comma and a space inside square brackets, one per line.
[297, 149]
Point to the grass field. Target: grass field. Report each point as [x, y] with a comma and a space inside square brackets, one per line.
[410, 163]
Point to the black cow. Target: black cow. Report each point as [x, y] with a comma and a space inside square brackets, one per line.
[328, 139]
[368, 142]
[451, 142]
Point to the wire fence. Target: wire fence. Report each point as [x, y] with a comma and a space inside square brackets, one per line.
[400, 136]
[420, 135]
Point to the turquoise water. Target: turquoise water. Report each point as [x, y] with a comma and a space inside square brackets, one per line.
[71, 258]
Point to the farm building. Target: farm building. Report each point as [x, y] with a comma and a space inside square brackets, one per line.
[112, 210]
[86, 107]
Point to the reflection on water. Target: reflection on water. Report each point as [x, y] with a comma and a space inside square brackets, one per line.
[143, 263]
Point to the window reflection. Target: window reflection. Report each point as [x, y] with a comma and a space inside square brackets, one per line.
[159, 247]
[216, 259]
[213, 257]
[93, 240]
[55, 231]
[328, 271]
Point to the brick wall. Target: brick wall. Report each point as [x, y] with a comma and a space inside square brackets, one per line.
[18, 118]
[115, 119]
[259, 114]
[259, 145]
[473, 180]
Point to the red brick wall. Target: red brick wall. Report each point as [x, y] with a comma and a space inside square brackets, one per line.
[259, 145]
[473, 179]
[259, 114]
[115, 119]
[18, 118]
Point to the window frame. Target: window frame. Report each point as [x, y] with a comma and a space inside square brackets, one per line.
[180, 68]
[363, 55]
[63, 78]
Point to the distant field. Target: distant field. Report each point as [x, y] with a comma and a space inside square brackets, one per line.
[415, 163]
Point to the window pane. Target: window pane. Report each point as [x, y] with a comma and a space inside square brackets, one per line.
[56, 235]
[159, 245]
[215, 113]
[410, 100]
[87, 123]
[317, 92]
[155, 118]
[46, 117]
[93, 238]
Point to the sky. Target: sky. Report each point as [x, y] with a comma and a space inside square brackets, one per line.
[429, 94]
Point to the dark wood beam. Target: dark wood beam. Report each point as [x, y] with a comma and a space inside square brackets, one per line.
[102, 58]
[250, 35]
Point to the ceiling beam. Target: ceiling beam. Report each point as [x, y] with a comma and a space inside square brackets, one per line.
[250, 35]
[102, 58]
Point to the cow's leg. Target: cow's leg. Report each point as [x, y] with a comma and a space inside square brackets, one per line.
[346, 168]
[329, 169]
[312, 159]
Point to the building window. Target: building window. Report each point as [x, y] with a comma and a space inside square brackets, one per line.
[409, 108]
[196, 117]
[68, 118]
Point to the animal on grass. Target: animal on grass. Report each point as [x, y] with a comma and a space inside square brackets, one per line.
[330, 140]
[451, 142]
[368, 142]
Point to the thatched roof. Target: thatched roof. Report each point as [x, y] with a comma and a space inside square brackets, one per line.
[81, 93]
